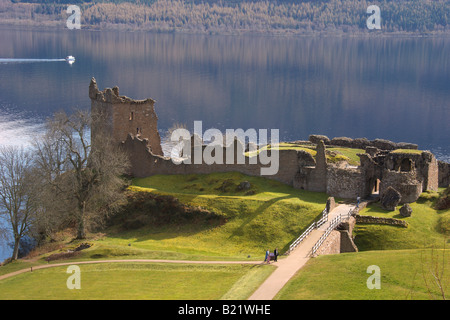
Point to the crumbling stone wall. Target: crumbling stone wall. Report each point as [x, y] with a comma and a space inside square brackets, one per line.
[408, 173]
[313, 178]
[380, 220]
[444, 174]
[144, 163]
[425, 165]
[408, 184]
[344, 182]
[332, 245]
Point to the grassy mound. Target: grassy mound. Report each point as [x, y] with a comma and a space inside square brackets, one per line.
[145, 208]
[248, 221]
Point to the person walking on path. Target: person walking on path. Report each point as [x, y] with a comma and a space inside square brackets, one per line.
[275, 255]
[267, 258]
[358, 200]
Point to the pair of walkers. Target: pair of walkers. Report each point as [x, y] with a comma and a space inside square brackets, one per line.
[271, 256]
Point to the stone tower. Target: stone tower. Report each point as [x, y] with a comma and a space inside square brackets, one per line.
[123, 116]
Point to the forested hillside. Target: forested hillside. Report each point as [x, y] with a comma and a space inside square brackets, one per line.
[218, 16]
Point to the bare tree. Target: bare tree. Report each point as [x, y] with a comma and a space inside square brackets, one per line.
[17, 204]
[81, 174]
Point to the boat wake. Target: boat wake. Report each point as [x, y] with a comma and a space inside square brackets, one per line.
[69, 59]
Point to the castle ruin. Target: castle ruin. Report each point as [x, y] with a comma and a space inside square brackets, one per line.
[133, 125]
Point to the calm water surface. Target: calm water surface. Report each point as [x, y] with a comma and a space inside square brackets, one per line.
[391, 88]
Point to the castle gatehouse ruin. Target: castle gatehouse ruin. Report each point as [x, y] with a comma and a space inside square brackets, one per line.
[383, 164]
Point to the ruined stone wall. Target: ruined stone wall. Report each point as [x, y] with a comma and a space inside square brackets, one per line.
[444, 174]
[381, 220]
[344, 182]
[371, 172]
[332, 245]
[311, 176]
[431, 174]
[347, 244]
[407, 184]
[144, 163]
[424, 164]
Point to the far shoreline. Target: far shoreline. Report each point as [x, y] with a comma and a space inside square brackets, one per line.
[59, 25]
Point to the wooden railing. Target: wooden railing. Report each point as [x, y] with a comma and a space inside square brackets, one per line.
[308, 230]
[334, 223]
[316, 224]
[323, 219]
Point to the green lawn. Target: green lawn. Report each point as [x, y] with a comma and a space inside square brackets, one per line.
[347, 154]
[151, 281]
[404, 275]
[407, 151]
[334, 154]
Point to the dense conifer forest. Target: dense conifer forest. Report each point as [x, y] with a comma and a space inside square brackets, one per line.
[228, 16]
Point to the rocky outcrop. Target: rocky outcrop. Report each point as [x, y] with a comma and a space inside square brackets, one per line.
[405, 210]
[390, 199]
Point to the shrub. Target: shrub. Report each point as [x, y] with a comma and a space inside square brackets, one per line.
[145, 208]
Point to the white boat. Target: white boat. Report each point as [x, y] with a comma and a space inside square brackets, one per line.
[70, 58]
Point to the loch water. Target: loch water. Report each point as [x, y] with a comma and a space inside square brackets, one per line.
[395, 88]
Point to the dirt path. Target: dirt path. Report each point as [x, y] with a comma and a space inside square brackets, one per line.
[286, 268]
